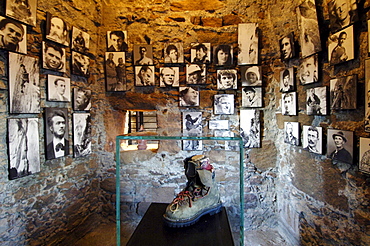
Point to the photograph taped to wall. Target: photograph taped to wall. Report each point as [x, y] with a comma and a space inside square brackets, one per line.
[252, 97]
[57, 30]
[23, 146]
[367, 95]
[250, 128]
[343, 92]
[309, 33]
[340, 145]
[251, 75]
[341, 46]
[143, 54]
[80, 40]
[13, 35]
[287, 47]
[364, 155]
[53, 57]
[192, 127]
[80, 64]
[291, 133]
[218, 124]
[22, 10]
[227, 79]
[229, 145]
[248, 39]
[188, 96]
[195, 74]
[169, 77]
[115, 71]
[223, 55]
[117, 41]
[287, 80]
[144, 75]
[289, 103]
[316, 103]
[81, 134]
[82, 99]
[3, 69]
[24, 87]
[224, 104]
[342, 13]
[200, 53]
[312, 139]
[309, 70]
[59, 88]
[173, 53]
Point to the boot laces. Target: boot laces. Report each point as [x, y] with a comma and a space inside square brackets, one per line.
[187, 197]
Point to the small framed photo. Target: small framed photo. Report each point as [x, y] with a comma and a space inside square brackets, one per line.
[143, 54]
[59, 88]
[144, 75]
[57, 30]
[251, 75]
[188, 96]
[291, 133]
[195, 74]
[312, 139]
[169, 77]
[223, 55]
[80, 40]
[316, 103]
[81, 99]
[342, 13]
[22, 10]
[367, 95]
[53, 57]
[224, 104]
[250, 128]
[364, 163]
[248, 42]
[287, 80]
[341, 46]
[80, 64]
[115, 71]
[173, 53]
[343, 92]
[81, 134]
[117, 41]
[340, 145]
[289, 103]
[192, 127]
[308, 70]
[287, 47]
[18, 40]
[200, 53]
[252, 97]
[219, 124]
[227, 79]
[229, 145]
[23, 146]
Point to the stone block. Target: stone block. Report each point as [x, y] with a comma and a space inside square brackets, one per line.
[259, 158]
[188, 5]
[212, 21]
[229, 20]
[108, 185]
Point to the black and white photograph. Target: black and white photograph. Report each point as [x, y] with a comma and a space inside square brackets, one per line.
[195, 74]
[143, 54]
[251, 75]
[367, 95]
[343, 92]
[23, 147]
[309, 34]
[218, 124]
[56, 124]
[80, 40]
[188, 96]
[223, 55]
[117, 41]
[316, 103]
[144, 75]
[53, 57]
[287, 80]
[81, 134]
[250, 129]
[22, 10]
[252, 97]
[312, 139]
[24, 86]
[13, 35]
[192, 127]
[229, 145]
[173, 53]
[115, 71]
[81, 99]
[224, 104]
[289, 103]
[169, 77]
[291, 133]
[364, 155]
[80, 64]
[287, 47]
[340, 146]
[3, 69]
[342, 13]
[227, 79]
[308, 70]
[59, 88]
[341, 46]
[57, 30]
[248, 40]
[200, 53]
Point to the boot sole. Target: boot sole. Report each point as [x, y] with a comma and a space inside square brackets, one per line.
[192, 221]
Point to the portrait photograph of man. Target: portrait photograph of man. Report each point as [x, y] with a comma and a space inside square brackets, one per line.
[291, 133]
[287, 47]
[251, 75]
[316, 103]
[143, 54]
[53, 57]
[227, 79]
[57, 143]
[81, 134]
[195, 74]
[364, 155]
[308, 70]
[287, 80]
[80, 40]
[59, 88]
[81, 99]
[340, 145]
[23, 147]
[169, 77]
[200, 53]
[248, 40]
[188, 96]
[340, 46]
[80, 64]
[115, 71]
[312, 139]
[252, 97]
[250, 128]
[343, 92]
[13, 35]
[342, 13]
[289, 103]
[144, 75]
[117, 41]
[22, 10]
[224, 104]
[57, 30]
[192, 127]
[173, 53]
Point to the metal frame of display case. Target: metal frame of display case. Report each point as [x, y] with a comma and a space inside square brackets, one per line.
[118, 176]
